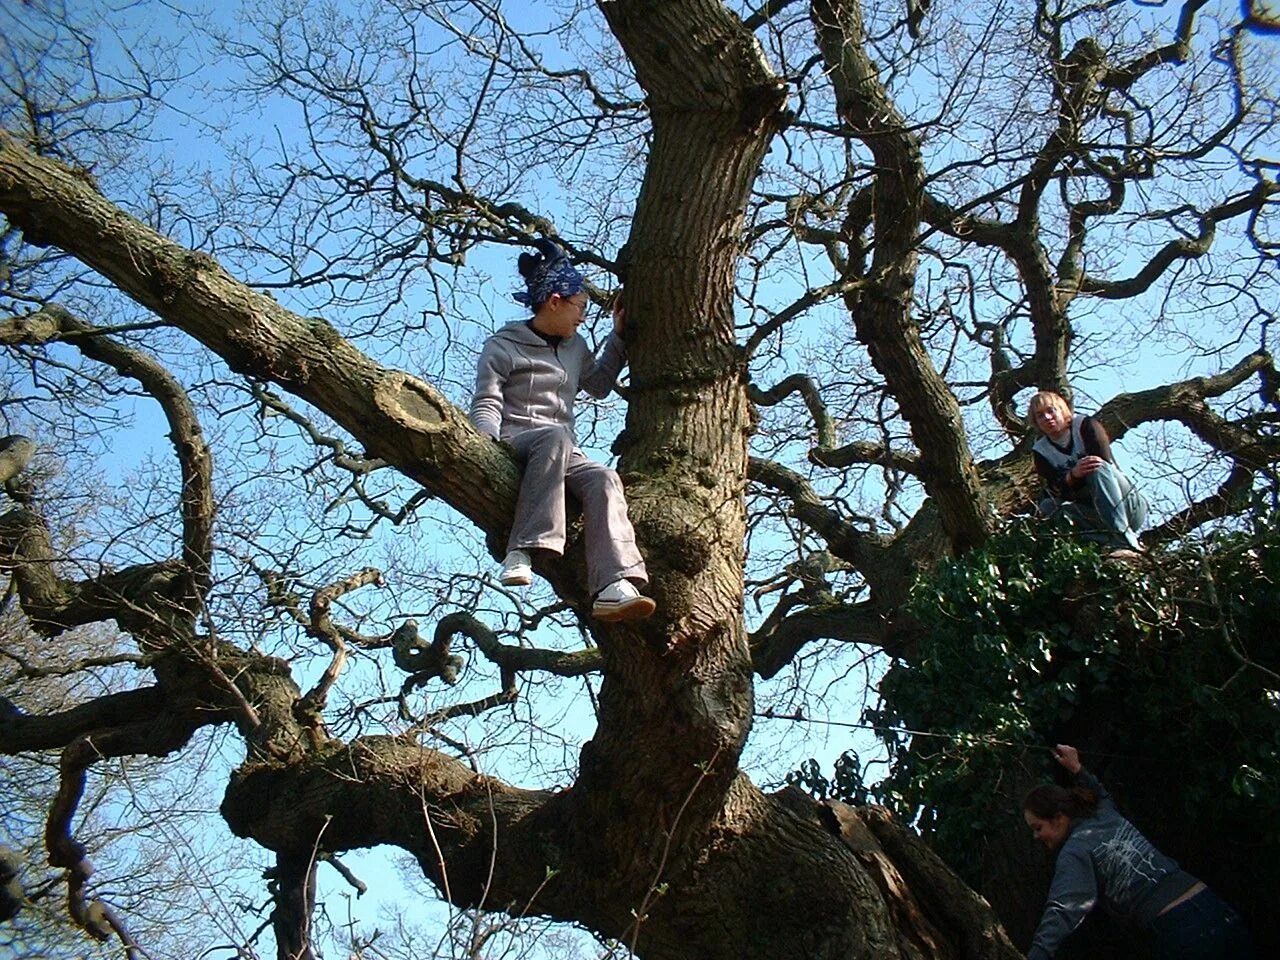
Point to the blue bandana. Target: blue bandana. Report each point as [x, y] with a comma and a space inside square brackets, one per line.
[555, 274]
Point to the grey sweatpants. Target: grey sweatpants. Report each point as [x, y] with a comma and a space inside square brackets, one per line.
[552, 465]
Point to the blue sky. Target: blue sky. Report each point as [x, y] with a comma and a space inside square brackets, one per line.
[198, 143]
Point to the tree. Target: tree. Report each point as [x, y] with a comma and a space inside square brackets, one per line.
[960, 193]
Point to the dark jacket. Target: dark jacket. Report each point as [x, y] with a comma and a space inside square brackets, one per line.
[1105, 859]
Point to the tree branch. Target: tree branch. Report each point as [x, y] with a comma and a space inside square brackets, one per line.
[1184, 248]
[399, 418]
[778, 641]
[1184, 402]
[146, 600]
[843, 539]
[54, 322]
[15, 453]
[882, 313]
[1175, 51]
[293, 892]
[825, 453]
[321, 626]
[518, 659]
[1230, 498]
[24, 732]
[158, 736]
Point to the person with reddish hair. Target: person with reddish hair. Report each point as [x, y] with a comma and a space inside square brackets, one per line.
[1103, 858]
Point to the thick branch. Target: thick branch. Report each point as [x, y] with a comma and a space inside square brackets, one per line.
[399, 418]
[861, 451]
[1076, 85]
[293, 889]
[1175, 51]
[1185, 402]
[1051, 332]
[483, 842]
[1230, 498]
[146, 600]
[426, 803]
[24, 733]
[943, 898]
[883, 312]
[54, 322]
[12, 896]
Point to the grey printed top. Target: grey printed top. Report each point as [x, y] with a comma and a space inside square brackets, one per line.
[524, 381]
[1105, 859]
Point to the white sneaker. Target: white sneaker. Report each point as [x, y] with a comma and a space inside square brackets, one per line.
[517, 570]
[621, 601]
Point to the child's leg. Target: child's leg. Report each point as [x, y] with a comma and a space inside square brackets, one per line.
[1117, 502]
[611, 541]
[540, 520]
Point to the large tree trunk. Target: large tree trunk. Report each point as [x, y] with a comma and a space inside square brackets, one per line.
[778, 877]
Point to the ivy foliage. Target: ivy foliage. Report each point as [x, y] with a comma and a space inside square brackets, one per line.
[1165, 671]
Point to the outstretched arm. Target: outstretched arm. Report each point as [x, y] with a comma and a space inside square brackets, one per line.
[1074, 889]
[1069, 757]
[1072, 895]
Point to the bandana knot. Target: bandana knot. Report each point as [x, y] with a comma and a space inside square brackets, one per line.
[547, 272]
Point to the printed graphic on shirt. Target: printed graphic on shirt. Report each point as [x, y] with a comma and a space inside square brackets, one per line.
[1126, 862]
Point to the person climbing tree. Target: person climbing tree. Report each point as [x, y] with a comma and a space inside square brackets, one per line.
[527, 379]
[1073, 457]
[1101, 856]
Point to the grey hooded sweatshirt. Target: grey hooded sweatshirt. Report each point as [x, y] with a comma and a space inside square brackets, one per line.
[1105, 858]
[522, 381]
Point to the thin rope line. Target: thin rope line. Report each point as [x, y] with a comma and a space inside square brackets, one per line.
[799, 717]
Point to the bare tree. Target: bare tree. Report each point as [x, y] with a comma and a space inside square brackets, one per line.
[851, 235]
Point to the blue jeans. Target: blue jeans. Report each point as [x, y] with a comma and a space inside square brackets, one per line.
[1202, 928]
[1119, 506]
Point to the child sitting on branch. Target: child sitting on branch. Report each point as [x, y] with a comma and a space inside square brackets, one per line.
[1073, 457]
[527, 379]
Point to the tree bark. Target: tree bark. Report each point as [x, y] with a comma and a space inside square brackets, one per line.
[882, 311]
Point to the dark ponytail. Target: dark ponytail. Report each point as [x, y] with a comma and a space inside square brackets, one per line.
[545, 273]
[529, 264]
[1048, 800]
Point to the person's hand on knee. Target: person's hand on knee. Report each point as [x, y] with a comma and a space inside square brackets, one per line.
[1086, 466]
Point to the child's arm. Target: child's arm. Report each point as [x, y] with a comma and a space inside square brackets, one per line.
[486, 403]
[599, 374]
